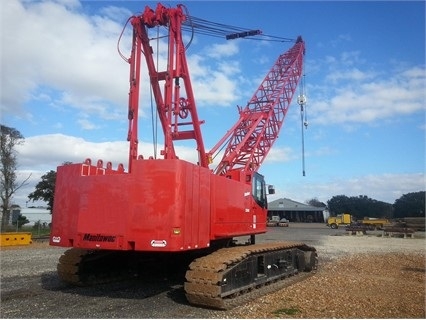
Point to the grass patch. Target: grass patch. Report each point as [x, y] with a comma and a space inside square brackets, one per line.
[36, 230]
[287, 311]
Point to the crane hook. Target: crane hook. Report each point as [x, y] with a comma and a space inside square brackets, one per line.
[301, 100]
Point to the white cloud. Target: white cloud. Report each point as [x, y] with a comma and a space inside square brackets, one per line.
[216, 88]
[115, 13]
[87, 124]
[211, 85]
[337, 42]
[222, 50]
[384, 187]
[353, 74]
[369, 99]
[277, 154]
[52, 44]
[46, 152]
[68, 58]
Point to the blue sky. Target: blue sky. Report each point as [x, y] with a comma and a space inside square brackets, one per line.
[65, 88]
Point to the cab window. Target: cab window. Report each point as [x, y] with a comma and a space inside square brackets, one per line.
[259, 193]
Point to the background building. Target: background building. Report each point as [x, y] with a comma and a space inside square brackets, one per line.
[295, 211]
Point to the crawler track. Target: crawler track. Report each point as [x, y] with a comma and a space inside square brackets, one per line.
[220, 280]
[231, 276]
[90, 267]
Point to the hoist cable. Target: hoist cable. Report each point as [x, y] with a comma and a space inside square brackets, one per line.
[303, 141]
[154, 113]
[306, 108]
[119, 40]
[303, 117]
[192, 27]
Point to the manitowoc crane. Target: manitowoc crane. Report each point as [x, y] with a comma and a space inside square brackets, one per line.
[170, 212]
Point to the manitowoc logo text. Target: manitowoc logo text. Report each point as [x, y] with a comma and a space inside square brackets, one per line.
[98, 238]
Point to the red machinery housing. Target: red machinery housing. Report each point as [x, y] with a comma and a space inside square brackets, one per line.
[162, 205]
[168, 204]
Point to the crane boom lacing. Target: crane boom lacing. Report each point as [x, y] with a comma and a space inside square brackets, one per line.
[250, 140]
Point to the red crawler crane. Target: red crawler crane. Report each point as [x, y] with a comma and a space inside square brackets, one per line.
[172, 209]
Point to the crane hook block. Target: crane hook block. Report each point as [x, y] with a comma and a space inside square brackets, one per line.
[301, 99]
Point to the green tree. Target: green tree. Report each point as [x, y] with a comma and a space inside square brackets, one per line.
[314, 202]
[20, 221]
[410, 205]
[45, 189]
[10, 138]
[360, 207]
[339, 204]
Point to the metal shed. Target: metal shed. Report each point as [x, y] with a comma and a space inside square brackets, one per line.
[295, 211]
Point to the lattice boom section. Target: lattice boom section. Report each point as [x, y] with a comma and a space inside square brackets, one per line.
[261, 120]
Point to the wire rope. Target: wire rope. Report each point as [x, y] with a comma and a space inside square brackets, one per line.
[154, 113]
[214, 29]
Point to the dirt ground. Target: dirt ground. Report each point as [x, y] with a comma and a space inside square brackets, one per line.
[360, 286]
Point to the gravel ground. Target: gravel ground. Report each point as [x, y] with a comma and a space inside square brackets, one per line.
[359, 277]
[390, 285]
